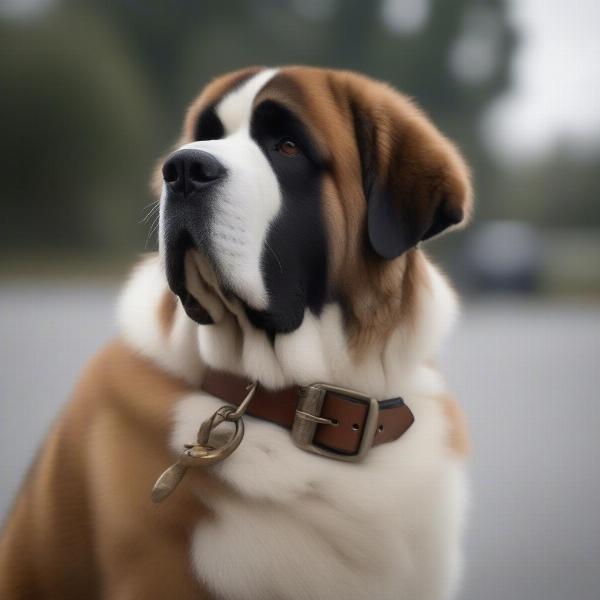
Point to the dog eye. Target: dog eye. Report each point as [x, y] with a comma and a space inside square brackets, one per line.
[287, 147]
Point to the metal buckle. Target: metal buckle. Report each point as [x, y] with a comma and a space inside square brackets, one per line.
[308, 418]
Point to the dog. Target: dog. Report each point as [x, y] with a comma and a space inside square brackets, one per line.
[291, 219]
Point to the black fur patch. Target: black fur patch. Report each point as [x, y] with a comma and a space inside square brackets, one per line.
[294, 261]
[208, 126]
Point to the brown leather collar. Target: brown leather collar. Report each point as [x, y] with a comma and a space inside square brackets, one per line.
[327, 420]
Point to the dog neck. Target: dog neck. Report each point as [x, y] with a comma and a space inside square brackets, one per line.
[153, 322]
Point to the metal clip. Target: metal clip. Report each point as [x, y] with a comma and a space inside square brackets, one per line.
[201, 453]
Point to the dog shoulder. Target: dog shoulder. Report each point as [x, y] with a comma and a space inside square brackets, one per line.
[114, 425]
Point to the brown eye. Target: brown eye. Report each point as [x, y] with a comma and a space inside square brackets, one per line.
[287, 147]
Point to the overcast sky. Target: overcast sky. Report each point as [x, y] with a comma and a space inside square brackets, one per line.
[556, 93]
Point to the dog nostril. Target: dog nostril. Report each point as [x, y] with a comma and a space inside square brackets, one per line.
[169, 171]
[198, 172]
[204, 171]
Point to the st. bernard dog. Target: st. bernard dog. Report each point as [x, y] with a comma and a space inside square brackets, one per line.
[291, 216]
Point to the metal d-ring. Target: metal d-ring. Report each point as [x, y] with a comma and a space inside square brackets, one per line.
[201, 453]
[225, 413]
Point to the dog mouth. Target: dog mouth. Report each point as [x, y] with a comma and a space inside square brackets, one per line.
[193, 277]
[184, 277]
[194, 310]
[206, 287]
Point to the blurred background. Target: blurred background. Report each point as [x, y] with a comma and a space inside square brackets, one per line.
[93, 92]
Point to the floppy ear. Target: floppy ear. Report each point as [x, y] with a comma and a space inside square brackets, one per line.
[415, 181]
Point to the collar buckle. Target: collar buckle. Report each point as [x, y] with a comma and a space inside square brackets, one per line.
[308, 418]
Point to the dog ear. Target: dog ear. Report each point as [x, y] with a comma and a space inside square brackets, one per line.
[415, 182]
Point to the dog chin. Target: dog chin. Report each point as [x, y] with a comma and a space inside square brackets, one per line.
[206, 296]
[204, 292]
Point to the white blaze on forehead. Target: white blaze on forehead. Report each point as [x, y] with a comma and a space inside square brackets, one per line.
[235, 109]
[245, 204]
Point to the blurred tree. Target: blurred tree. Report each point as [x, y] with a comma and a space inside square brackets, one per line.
[97, 91]
[557, 190]
[77, 134]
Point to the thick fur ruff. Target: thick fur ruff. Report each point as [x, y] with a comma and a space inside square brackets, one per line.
[300, 526]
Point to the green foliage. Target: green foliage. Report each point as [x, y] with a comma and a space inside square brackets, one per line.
[78, 135]
[95, 92]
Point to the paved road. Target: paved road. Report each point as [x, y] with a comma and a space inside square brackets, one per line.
[528, 375]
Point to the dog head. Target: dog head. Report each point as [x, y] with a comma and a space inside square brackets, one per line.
[301, 186]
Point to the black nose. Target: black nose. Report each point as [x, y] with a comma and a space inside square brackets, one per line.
[187, 171]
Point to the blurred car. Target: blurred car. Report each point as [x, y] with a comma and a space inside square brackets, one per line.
[503, 256]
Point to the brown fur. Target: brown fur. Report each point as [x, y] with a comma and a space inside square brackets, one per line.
[84, 522]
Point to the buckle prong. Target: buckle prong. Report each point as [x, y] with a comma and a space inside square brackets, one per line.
[321, 420]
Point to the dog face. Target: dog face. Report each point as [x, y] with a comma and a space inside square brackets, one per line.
[304, 186]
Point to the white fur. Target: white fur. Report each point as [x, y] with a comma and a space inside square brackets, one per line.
[236, 108]
[303, 526]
